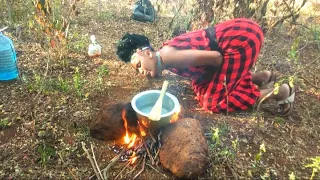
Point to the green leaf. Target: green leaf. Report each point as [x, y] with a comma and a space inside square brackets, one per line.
[292, 176]
[31, 24]
[276, 88]
[262, 147]
[215, 136]
[291, 81]
[258, 156]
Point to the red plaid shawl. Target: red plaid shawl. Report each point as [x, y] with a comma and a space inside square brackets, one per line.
[240, 42]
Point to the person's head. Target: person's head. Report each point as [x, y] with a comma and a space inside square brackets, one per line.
[136, 49]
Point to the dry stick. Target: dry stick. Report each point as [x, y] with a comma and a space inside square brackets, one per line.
[112, 162]
[91, 161]
[225, 85]
[174, 17]
[156, 156]
[231, 169]
[159, 141]
[304, 68]
[312, 84]
[135, 166]
[153, 139]
[291, 132]
[125, 167]
[159, 138]
[258, 111]
[94, 158]
[148, 152]
[289, 9]
[288, 16]
[156, 170]
[65, 164]
[143, 164]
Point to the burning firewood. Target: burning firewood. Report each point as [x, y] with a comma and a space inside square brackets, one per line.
[138, 147]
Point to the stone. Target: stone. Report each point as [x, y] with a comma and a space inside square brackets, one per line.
[184, 150]
[109, 124]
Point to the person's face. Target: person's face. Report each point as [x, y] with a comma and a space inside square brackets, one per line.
[145, 63]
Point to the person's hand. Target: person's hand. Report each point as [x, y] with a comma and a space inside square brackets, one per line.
[145, 62]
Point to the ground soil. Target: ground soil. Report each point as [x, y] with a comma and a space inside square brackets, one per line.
[60, 120]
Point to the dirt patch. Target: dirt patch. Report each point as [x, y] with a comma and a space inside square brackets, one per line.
[7, 134]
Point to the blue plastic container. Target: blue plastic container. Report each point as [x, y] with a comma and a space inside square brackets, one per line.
[8, 59]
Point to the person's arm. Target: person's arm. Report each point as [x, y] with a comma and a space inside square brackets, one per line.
[188, 58]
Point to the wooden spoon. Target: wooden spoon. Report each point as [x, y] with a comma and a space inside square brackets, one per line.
[155, 113]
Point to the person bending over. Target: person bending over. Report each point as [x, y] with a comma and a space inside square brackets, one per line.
[218, 59]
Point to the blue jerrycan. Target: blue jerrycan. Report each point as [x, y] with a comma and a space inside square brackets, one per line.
[8, 59]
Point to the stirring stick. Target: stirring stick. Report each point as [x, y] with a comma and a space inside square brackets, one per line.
[155, 113]
[3, 29]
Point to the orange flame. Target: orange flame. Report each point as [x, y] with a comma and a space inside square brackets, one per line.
[123, 115]
[132, 140]
[175, 116]
[127, 138]
[142, 131]
[133, 158]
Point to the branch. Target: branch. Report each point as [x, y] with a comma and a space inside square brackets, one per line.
[112, 163]
[65, 165]
[170, 24]
[125, 167]
[91, 161]
[289, 9]
[156, 170]
[143, 165]
[289, 15]
[94, 158]
[312, 84]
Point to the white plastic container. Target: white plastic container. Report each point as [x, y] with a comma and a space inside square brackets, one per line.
[94, 48]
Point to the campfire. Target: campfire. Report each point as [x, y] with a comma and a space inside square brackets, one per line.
[142, 148]
[138, 145]
[135, 150]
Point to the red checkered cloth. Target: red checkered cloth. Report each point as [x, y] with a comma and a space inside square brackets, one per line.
[239, 41]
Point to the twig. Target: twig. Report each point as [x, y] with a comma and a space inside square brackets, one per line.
[153, 139]
[143, 164]
[159, 139]
[291, 131]
[125, 167]
[288, 16]
[66, 165]
[307, 43]
[304, 68]
[156, 170]
[174, 17]
[112, 162]
[91, 161]
[263, 99]
[45, 75]
[232, 171]
[298, 24]
[225, 85]
[289, 9]
[312, 84]
[94, 158]
[258, 112]
[156, 156]
[135, 166]
[148, 152]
